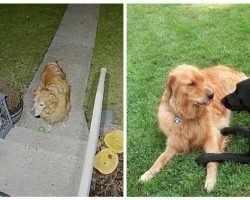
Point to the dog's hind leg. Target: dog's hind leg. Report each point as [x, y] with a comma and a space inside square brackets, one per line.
[161, 161]
[235, 130]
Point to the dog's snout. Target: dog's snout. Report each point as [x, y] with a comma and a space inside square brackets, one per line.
[224, 101]
[32, 111]
[210, 95]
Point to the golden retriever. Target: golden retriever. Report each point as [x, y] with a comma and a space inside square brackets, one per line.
[52, 96]
[191, 115]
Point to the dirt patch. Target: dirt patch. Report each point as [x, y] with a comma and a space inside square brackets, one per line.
[107, 185]
[13, 97]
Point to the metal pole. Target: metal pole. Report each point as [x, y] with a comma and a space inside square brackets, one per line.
[93, 138]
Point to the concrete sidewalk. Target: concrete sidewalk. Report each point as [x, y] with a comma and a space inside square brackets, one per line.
[50, 164]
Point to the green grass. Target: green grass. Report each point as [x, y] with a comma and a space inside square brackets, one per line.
[159, 38]
[108, 52]
[25, 34]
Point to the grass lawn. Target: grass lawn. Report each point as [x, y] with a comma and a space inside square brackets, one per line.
[159, 38]
[108, 53]
[25, 34]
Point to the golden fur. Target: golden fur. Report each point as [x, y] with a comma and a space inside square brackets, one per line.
[186, 97]
[52, 96]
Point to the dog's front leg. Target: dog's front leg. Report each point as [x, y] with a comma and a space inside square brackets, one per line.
[49, 128]
[211, 146]
[161, 161]
[235, 130]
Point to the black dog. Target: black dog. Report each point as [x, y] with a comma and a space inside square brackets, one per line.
[239, 100]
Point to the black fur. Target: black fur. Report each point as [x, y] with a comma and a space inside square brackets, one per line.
[239, 100]
[223, 157]
[235, 130]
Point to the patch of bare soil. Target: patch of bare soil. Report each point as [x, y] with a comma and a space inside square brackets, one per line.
[110, 185]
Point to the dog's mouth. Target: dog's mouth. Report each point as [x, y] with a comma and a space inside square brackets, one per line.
[34, 113]
[203, 103]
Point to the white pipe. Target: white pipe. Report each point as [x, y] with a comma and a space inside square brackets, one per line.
[93, 138]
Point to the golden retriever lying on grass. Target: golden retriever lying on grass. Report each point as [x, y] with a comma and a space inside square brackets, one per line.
[52, 97]
[191, 116]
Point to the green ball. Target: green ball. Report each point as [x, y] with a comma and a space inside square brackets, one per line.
[41, 129]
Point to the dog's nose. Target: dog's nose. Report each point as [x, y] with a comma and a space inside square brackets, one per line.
[223, 101]
[37, 116]
[210, 95]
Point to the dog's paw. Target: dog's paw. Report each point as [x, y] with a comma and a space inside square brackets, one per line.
[49, 128]
[63, 125]
[226, 131]
[210, 184]
[147, 176]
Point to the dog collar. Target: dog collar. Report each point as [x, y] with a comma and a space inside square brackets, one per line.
[177, 120]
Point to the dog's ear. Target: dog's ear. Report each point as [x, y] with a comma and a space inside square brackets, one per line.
[37, 90]
[168, 89]
[52, 98]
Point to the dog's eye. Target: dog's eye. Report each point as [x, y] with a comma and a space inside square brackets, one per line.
[41, 104]
[192, 84]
